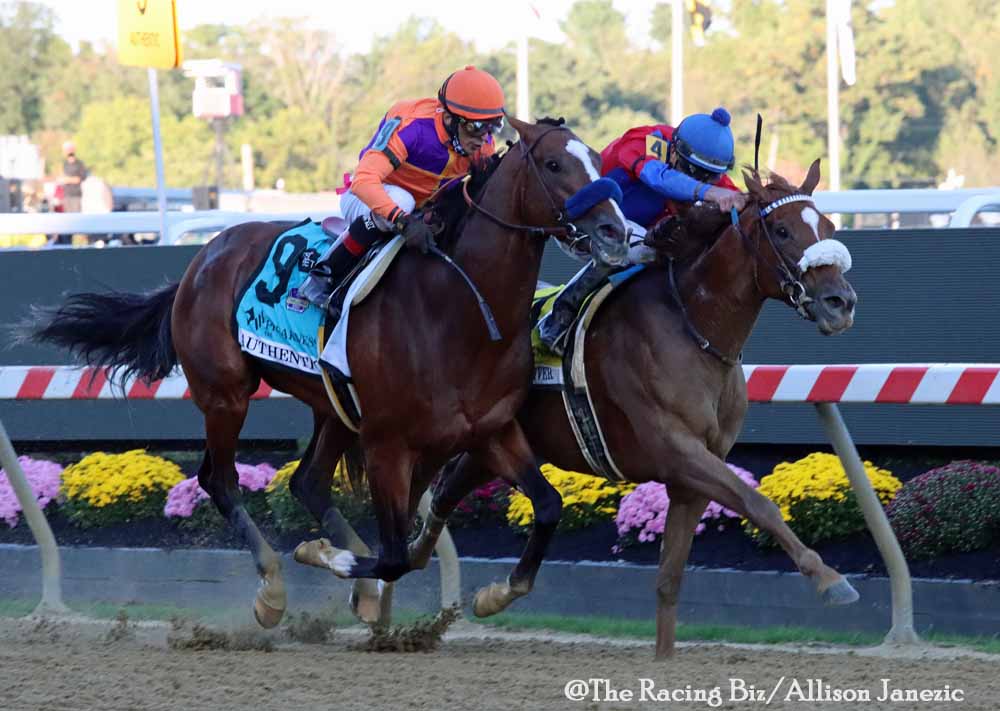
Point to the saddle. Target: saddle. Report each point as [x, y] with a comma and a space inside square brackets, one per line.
[568, 375]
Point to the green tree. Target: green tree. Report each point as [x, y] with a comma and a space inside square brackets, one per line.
[118, 138]
[29, 51]
[293, 145]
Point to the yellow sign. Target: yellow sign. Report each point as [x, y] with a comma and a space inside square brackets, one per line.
[656, 147]
[147, 34]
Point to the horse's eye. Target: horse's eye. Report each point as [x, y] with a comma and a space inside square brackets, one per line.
[782, 232]
[553, 166]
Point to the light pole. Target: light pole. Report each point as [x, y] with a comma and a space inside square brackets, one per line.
[677, 63]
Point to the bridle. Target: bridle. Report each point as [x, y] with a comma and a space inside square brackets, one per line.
[564, 228]
[787, 273]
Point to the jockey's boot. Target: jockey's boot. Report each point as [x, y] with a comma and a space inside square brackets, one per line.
[339, 259]
[553, 327]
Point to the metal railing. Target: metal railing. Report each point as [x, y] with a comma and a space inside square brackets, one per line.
[179, 223]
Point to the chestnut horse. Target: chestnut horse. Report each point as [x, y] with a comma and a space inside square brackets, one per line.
[430, 380]
[672, 405]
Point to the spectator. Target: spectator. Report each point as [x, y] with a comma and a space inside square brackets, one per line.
[74, 172]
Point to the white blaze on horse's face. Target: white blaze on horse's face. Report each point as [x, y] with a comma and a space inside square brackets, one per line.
[811, 218]
[579, 150]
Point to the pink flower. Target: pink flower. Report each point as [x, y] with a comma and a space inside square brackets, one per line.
[185, 497]
[644, 511]
[43, 478]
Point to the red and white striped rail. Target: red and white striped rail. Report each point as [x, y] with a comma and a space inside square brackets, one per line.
[917, 384]
[62, 382]
[914, 384]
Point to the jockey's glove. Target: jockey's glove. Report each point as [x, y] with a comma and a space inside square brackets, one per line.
[417, 233]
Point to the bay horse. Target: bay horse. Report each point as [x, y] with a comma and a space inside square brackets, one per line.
[430, 380]
[672, 405]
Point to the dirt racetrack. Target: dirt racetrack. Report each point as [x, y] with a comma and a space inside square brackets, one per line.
[61, 666]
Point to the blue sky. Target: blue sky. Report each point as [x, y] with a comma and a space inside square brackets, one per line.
[356, 24]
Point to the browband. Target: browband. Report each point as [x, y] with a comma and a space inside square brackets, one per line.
[797, 197]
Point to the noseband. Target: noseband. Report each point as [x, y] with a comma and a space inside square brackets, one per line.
[787, 273]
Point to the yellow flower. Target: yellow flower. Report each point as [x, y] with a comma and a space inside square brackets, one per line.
[586, 499]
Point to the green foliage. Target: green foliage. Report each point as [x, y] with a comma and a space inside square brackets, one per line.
[104, 489]
[817, 500]
[927, 97]
[288, 513]
[30, 51]
[954, 508]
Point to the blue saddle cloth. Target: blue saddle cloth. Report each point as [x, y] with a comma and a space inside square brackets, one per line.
[272, 322]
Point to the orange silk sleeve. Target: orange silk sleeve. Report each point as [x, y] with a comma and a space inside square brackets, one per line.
[369, 178]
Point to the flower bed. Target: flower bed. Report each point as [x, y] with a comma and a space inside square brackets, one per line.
[816, 499]
[955, 508]
[951, 513]
[643, 513]
[43, 478]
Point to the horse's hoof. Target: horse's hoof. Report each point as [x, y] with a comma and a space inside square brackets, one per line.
[365, 600]
[840, 593]
[492, 599]
[320, 553]
[266, 616]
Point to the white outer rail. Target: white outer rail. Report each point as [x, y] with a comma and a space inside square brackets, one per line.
[178, 222]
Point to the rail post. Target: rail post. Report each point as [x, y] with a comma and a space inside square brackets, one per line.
[51, 603]
[902, 630]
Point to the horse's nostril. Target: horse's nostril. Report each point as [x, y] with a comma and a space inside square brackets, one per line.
[839, 303]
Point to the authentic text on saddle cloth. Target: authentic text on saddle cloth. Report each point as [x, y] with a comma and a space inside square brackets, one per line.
[272, 322]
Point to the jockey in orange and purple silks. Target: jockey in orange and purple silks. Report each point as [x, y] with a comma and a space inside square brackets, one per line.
[419, 146]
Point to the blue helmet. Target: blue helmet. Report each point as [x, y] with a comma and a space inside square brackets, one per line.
[706, 141]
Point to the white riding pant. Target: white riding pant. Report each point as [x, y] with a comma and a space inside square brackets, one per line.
[352, 207]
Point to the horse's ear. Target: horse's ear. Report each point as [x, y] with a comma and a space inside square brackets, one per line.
[752, 180]
[527, 131]
[812, 179]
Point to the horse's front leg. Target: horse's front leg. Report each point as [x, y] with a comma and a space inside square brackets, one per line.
[686, 508]
[458, 479]
[310, 484]
[707, 475]
[508, 455]
[390, 470]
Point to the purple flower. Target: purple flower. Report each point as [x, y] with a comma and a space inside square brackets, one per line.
[184, 498]
[643, 512]
[43, 478]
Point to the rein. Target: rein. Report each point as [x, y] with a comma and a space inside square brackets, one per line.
[787, 273]
[564, 229]
[568, 230]
[689, 326]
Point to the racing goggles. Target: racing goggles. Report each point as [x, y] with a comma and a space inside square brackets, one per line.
[696, 171]
[477, 127]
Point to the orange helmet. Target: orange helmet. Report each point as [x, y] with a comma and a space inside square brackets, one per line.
[473, 94]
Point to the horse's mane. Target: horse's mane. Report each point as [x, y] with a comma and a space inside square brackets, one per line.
[701, 241]
[449, 207]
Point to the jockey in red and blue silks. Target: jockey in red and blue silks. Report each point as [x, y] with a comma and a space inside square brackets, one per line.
[656, 167]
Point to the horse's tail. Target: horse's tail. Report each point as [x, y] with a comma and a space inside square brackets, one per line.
[354, 466]
[129, 334]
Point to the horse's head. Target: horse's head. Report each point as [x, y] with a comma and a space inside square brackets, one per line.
[802, 265]
[562, 188]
